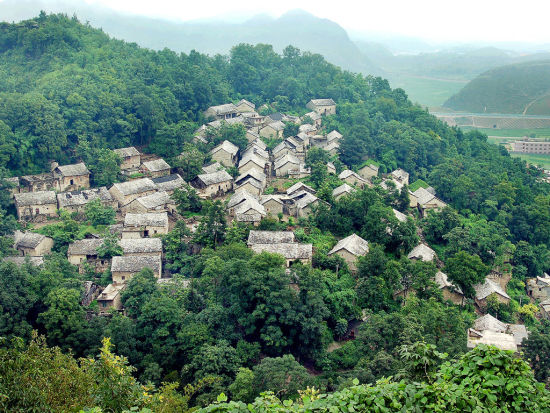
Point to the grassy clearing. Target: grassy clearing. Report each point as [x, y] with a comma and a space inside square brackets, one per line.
[427, 91]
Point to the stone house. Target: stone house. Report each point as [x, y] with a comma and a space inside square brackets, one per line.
[32, 244]
[544, 308]
[244, 106]
[236, 199]
[486, 289]
[281, 149]
[141, 247]
[252, 136]
[422, 252]
[427, 201]
[298, 187]
[131, 158]
[490, 331]
[38, 183]
[274, 130]
[341, 191]
[86, 250]
[300, 173]
[255, 149]
[169, 183]
[322, 106]
[315, 118]
[539, 287]
[333, 148]
[449, 290]
[304, 203]
[145, 225]
[273, 204]
[222, 112]
[250, 185]
[334, 135]
[155, 202]
[352, 178]
[295, 145]
[285, 164]
[292, 252]
[259, 143]
[126, 192]
[214, 184]
[368, 171]
[252, 121]
[308, 129]
[350, 249]
[331, 169]
[30, 205]
[214, 167]
[72, 177]
[270, 237]
[400, 176]
[249, 211]
[76, 201]
[110, 298]
[156, 168]
[225, 153]
[252, 181]
[251, 161]
[20, 261]
[125, 267]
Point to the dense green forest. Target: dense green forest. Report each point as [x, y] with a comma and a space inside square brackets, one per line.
[229, 323]
[520, 88]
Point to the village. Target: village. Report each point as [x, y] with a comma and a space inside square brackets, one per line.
[269, 184]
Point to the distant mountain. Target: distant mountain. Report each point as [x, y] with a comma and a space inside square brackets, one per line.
[520, 88]
[297, 28]
[458, 63]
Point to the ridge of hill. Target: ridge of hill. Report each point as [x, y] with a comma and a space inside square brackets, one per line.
[520, 88]
[296, 27]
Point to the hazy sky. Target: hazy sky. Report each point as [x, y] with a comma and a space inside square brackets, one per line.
[437, 20]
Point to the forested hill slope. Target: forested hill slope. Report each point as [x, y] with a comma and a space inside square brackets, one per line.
[63, 81]
[296, 27]
[521, 88]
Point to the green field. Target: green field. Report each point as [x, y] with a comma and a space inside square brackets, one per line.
[427, 91]
[502, 136]
[534, 159]
[513, 133]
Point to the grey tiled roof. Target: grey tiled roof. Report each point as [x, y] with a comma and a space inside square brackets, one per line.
[85, 246]
[291, 251]
[270, 237]
[140, 245]
[148, 219]
[35, 198]
[28, 239]
[135, 186]
[215, 177]
[77, 169]
[126, 152]
[135, 263]
[157, 165]
[353, 244]
[78, 198]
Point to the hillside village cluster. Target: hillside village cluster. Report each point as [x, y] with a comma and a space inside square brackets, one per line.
[146, 210]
